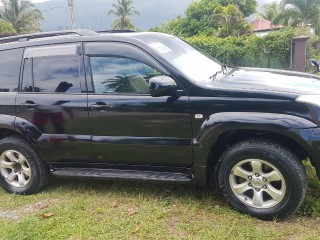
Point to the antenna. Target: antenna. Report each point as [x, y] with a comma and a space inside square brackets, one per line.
[71, 8]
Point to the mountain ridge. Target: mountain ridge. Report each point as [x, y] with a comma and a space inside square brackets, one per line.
[93, 14]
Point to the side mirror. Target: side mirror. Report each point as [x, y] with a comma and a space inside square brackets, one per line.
[316, 65]
[162, 86]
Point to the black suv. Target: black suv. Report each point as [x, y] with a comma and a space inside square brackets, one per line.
[148, 106]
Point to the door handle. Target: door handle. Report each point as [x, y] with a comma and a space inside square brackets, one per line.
[30, 105]
[101, 106]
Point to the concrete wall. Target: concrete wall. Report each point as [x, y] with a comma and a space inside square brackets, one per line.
[299, 45]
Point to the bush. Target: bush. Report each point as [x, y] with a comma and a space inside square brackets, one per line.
[249, 50]
[229, 50]
[6, 28]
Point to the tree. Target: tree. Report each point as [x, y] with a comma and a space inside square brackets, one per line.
[22, 14]
[247, 7]
[123, 9]
[230, 21]
[299, 13]
[172, 26]
[199, 19]
[272, 12]
[196, 20]
[6, 28]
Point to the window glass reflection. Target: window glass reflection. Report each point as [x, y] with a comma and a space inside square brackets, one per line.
[10, 61]
[121, 75]
[27, 81]
[57, 74]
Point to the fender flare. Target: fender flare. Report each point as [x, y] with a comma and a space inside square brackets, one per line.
[7, 122]
[217, 124]
[19, 126]
[27, 129]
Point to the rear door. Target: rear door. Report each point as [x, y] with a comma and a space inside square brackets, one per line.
[53, 98]
[129, 126]
[10, 61]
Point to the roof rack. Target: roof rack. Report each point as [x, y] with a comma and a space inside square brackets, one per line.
[27, 37]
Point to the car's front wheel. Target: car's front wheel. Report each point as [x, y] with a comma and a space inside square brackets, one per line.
[262, 178]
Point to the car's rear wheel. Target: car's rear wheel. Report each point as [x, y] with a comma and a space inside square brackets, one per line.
[22, 171]
[262, 178]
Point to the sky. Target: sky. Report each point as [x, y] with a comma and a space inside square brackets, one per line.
[95, 17]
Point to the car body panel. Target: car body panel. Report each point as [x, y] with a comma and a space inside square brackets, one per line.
[7, 110]
[221, 123]
[142, 130]
[65, 129]
[250, 79]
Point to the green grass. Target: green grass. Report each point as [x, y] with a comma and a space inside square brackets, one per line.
[85, 209]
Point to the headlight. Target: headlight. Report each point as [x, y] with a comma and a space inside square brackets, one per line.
[312, 99]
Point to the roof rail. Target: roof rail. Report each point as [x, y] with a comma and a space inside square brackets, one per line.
[27, 37]
[117, 31]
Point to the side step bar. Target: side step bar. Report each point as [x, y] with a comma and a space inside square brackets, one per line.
[122, 174]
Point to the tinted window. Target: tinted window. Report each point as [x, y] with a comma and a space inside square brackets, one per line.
[10, 61]
[121, 75]
[27, 82]
[57, 74]
[52, 74]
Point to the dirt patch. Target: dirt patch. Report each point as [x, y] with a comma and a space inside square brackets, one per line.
[19, 213]
[172, 227]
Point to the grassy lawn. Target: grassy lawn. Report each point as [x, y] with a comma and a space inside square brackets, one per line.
[85, 209]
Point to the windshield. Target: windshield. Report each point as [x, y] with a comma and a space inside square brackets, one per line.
[197, 66]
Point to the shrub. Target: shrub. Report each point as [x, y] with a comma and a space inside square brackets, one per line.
[6, 28]
[249, 50]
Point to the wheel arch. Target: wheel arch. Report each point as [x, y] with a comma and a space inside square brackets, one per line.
[224, 129]
[6, 132]
[232, 137]
[7, 126]
[10, 125]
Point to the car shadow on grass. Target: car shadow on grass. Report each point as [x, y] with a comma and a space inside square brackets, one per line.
[174, 192]
[131, 189]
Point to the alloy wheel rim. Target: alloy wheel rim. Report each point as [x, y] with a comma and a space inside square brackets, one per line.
[257, 183]
[15, 168]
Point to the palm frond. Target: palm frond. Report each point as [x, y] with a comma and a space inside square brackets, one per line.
[21, 14]
[123, 9]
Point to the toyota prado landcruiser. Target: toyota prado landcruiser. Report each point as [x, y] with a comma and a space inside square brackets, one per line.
[148, 106]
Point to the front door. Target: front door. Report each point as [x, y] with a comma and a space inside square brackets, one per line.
[128, 125]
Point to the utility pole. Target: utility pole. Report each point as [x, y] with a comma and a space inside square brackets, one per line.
[71, 8]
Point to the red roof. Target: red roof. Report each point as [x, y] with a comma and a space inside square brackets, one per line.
[261, 24]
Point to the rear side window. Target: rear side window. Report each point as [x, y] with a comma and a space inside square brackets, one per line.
[46, 72]
[10, 61]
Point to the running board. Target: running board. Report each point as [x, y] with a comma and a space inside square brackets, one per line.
[122, 174]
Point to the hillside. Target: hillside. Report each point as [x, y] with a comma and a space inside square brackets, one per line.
[93, 14]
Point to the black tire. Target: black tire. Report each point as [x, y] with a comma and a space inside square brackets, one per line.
[258, 202]
[33, 165]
